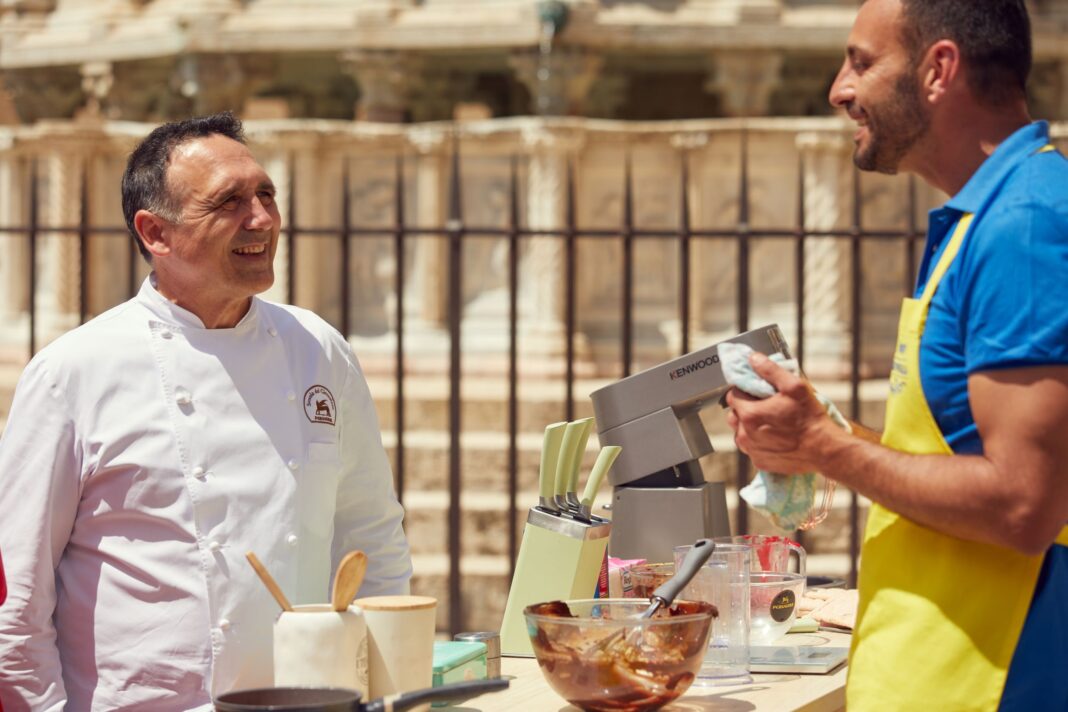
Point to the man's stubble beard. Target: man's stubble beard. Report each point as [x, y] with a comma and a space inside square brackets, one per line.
[894, 129]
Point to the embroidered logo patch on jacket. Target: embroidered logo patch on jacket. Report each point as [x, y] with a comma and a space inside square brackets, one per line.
[319, 405]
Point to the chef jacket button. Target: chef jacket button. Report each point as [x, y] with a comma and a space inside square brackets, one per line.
[166, 333]
[182, 396]
[293, 464]
[272, 331]
[214, 546]
[224, 624]
[291, 396]
[292, 539]
[198, 472]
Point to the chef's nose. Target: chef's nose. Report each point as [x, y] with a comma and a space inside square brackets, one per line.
[842, 91]
[260, 216]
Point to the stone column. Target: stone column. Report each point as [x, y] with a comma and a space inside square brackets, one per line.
[61, 166]
[745, 80]
[317, 176]
[97, 80]
[559, 80]
[544, 264]
[828, 202]
[429, 287]
[14, 276]
[606, 95]
[274, 151]
[385, 78]
[109, 255]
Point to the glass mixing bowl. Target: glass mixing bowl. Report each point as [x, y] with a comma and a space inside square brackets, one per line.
[598, 655]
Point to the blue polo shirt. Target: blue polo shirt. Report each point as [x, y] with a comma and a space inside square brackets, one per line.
[1003, 303]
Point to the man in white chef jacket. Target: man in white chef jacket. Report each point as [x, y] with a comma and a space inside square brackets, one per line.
[147, 451]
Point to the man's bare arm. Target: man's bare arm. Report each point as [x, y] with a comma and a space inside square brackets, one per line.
[1014, 495]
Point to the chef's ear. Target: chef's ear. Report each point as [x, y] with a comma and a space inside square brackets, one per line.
[150, 229]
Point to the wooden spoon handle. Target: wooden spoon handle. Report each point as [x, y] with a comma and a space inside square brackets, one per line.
[348, 578]
[269, 581]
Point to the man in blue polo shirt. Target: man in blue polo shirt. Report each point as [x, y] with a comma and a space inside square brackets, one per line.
[964, 569]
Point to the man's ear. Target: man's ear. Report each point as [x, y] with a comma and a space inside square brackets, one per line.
[151, 229]
[940, 70]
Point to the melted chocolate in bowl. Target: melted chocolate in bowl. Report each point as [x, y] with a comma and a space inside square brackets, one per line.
[597, 655]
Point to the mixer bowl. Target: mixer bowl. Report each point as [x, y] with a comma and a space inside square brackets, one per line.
[598, 655]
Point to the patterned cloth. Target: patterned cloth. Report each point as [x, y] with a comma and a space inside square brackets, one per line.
[786, 500]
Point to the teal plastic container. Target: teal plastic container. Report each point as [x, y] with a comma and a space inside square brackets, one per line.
[458, 661]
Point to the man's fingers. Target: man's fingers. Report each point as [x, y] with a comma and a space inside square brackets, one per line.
[783, 380]
[735, 396]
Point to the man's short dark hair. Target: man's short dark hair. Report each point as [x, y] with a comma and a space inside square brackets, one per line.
[144, 182]
[994, 37]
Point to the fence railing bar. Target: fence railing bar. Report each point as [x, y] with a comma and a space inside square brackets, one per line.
[31, 235]
[659, 233]
[455, 300]
[742, 474]
[910, 239]
[684, 254]
[799, 280]
[346, 247]
[83, 244]
[570, 257]
[854, 362]
[291, 230]
[627, 330]
[513, 363]
[399, 275]
[131, 268]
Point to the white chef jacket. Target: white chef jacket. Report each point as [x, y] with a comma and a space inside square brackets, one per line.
[143, 457]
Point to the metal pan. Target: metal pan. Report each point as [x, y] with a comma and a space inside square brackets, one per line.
[327, 699]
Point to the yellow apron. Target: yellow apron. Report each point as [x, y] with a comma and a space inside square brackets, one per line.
[939, 617]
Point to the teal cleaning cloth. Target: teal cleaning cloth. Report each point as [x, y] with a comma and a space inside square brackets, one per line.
[786, 500]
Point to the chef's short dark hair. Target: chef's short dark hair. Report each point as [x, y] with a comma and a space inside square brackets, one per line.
[994, 37]
[144, 182]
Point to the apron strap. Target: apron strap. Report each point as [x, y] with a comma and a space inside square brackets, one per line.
[947, 257]
[1062, 538]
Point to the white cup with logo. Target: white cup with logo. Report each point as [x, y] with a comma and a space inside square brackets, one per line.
[400, 642]
[773, 604]
[316, 646]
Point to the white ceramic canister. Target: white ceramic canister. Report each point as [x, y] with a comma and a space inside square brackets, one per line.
[400, 642]
[316, 646]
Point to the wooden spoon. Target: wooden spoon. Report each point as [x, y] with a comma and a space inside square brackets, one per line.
[269, 581]
[347, 581]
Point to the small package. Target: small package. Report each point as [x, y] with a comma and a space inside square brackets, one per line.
[618, 576]
[458, 661]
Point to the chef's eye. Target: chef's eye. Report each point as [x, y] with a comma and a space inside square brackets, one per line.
[230, 202]
[266, 197]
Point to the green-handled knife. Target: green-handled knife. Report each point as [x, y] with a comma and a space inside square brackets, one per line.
[550, 455]
[576, 464]
[605, 458]
[569, 458]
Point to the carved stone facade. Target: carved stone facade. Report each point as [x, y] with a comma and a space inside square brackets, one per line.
[311, 159]
[426, 60]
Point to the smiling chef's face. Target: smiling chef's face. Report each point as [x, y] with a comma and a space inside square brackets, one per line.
[879, 88]
[221, 250]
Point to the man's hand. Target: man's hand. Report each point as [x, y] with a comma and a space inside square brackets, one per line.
[784, 433]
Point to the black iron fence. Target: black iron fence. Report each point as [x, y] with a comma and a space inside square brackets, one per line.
[456, 231]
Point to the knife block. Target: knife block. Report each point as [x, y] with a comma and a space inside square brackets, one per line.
[559, 559]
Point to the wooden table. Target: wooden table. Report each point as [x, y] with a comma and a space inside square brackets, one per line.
[767, 693]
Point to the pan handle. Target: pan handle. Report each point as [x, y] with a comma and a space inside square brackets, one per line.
[452, 691]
